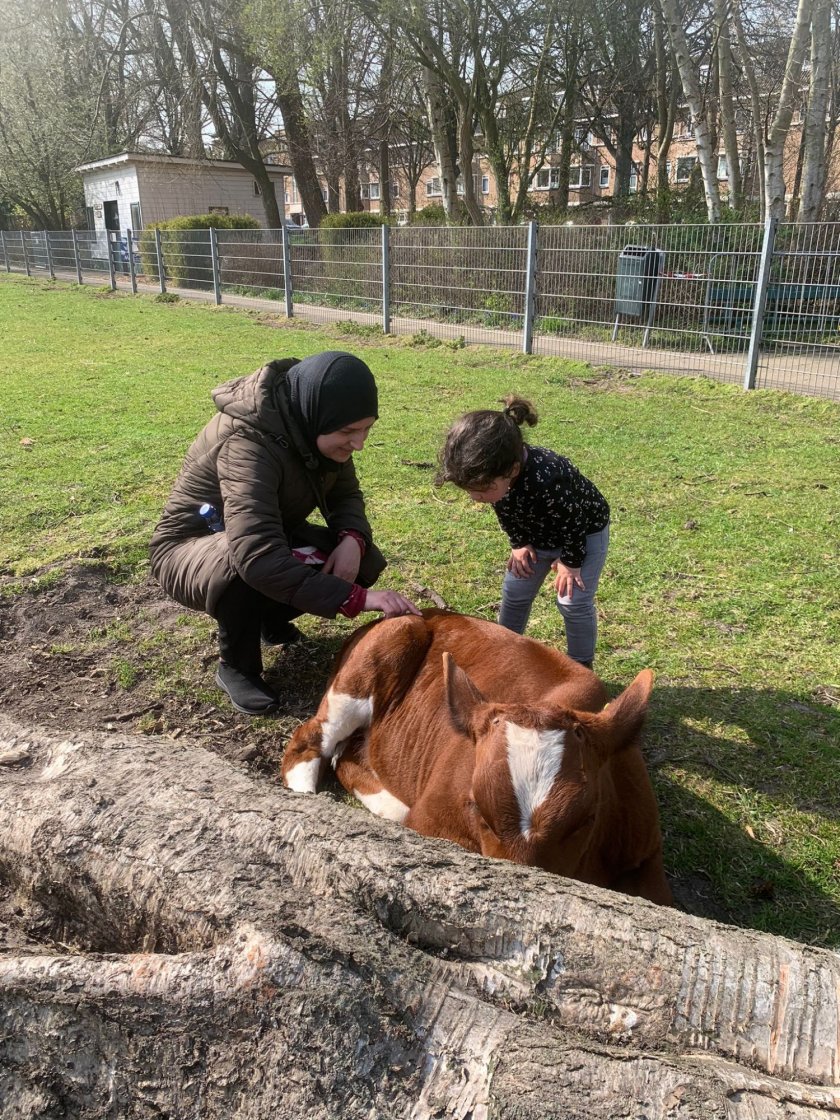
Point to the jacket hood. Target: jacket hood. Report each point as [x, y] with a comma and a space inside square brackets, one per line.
[261, 400]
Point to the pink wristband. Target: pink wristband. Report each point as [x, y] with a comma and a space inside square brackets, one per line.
[357, 537]
[354, 603]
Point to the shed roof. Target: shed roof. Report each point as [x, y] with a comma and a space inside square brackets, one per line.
[274, 169]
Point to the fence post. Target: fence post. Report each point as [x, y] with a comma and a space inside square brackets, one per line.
[49, 254]
[530, 290]
[287, 270]
[112, 272]
[214, 261]
[25, 257]
[386, 279]
[161, 272]
[5, 251]
[131, 270]
[760, 301]
[77, 260]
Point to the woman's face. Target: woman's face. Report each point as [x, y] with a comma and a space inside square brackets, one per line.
[339, 446]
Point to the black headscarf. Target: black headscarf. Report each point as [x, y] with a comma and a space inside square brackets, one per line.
[329, 391]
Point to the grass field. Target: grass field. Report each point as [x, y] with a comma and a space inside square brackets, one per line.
[723, 572]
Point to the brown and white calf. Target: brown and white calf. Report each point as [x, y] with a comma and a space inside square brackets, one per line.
[461, 729]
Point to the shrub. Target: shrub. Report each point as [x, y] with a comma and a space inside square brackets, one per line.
[187, 260]
[431, 215]
[353, 220]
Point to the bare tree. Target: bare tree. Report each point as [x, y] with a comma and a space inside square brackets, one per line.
[706, 155]
[278, 35]
[815, 134]
[215, 52]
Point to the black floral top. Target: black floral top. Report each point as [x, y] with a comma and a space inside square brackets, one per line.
[550, 505]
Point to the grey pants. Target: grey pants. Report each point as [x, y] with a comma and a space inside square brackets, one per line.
[578, 611]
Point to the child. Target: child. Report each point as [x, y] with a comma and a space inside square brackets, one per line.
[555, 518]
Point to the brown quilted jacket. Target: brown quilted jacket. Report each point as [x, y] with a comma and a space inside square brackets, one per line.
[252, 464]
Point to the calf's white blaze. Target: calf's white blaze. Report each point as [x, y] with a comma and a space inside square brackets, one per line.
[303, 778]
[534, 761]
[383, 804]
[345, 714]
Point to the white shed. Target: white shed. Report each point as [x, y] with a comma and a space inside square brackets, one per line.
[130, 190]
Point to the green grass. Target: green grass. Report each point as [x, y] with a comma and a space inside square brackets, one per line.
[723, 571]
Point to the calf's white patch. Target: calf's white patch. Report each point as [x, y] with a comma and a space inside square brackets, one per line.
[303, 778]
[345, 714]
[383, 804]
[534, 761]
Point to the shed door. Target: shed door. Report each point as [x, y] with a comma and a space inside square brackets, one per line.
[112, 214]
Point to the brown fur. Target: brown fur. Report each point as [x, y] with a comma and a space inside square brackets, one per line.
[444, 687]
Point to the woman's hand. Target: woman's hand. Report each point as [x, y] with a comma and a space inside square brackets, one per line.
[344, 560]
[567, 580]
[391, 603]
[521, 561]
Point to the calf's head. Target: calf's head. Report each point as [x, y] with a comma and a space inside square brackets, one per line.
[540, 780]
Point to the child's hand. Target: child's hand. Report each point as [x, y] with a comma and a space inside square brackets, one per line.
[521, 561]
[567, 580]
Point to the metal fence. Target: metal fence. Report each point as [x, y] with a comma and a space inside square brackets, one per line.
[755, 305]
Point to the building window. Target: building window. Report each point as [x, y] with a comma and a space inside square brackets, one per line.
[395, 189]
[685, 127]
[603, 177]
[136, 219]
[91, 220]
[433, 187]
[580, 177]
[325, 194]
[684, 166]
[548, 179]
[461, 189]
[723, 170]
[485, 184]
[257, 189]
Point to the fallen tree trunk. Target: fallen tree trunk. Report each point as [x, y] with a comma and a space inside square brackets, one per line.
[220, 947]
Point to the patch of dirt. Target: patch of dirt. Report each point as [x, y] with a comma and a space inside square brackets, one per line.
[89, 654]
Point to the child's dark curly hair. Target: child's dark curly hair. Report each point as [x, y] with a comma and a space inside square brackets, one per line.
[485, 445]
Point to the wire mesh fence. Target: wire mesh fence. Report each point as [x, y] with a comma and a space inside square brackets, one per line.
[468, 282]
[750, 304]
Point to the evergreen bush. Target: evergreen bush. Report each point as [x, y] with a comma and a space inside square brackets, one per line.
[187, 259]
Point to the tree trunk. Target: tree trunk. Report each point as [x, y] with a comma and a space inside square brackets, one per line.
[774, 149]
[691, 88]
[290, 104]
[442, 142]
[213, 945]
[755, 105]
[814, 136]
[728, 124]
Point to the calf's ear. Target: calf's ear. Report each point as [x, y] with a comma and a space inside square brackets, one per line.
[621, 721]
[462, 696]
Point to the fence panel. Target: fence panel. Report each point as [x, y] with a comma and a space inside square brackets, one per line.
[188, 258]
[470, 280]
[801, 339]
[339, 270]
[63, 253]
[251, 262]
[694, 316]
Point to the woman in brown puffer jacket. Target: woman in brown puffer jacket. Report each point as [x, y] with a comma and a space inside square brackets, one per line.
[280, 447]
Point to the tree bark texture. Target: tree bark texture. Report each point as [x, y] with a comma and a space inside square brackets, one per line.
[691, 89]
[215, 946]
